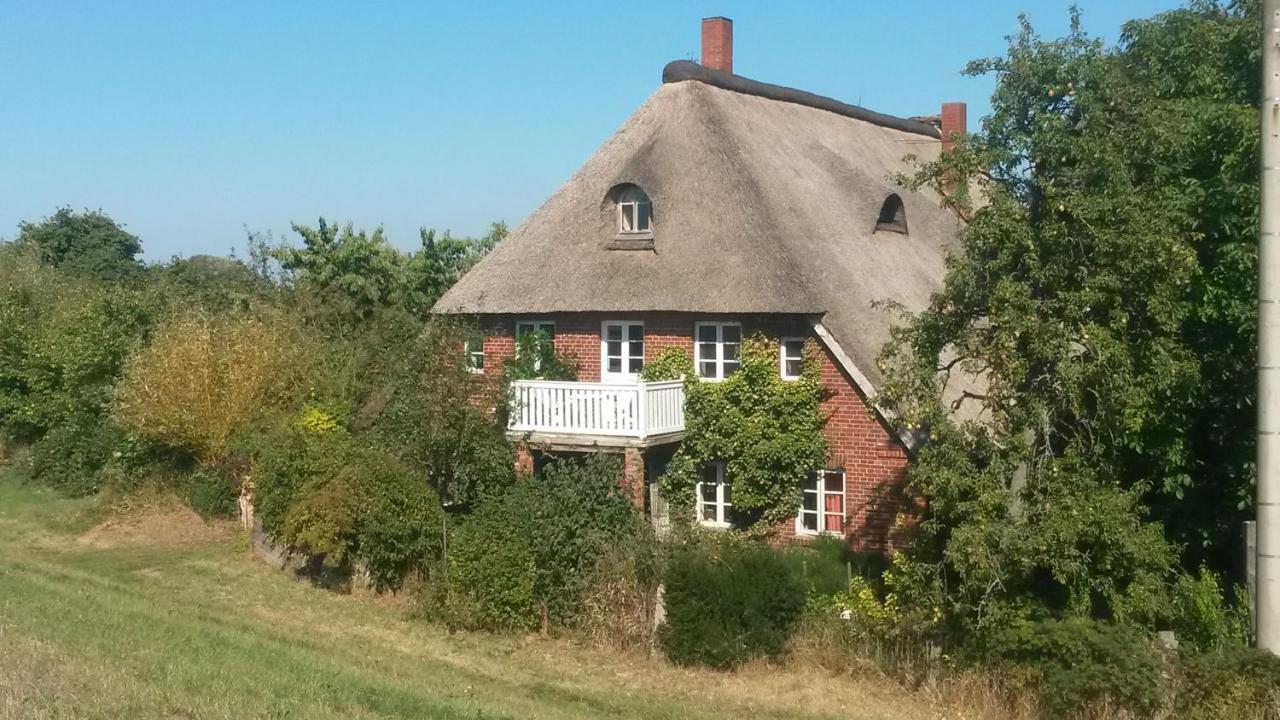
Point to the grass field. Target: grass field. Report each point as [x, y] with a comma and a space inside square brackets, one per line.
[151, 613]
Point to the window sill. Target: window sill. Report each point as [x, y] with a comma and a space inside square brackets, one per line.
[713, 525]
[631, 241]
[819, 533]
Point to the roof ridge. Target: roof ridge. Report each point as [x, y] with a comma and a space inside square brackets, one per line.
[683, 70]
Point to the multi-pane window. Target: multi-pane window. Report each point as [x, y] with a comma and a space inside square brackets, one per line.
[544, 332]
[474, 353]
[791, 357]
[716, 349]
[621, 349]
[635, 212]
[715, 499]
[822, 503]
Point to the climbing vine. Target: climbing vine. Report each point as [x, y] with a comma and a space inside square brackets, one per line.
[767, 431]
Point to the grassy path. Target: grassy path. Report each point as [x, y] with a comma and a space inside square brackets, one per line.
[148, 618]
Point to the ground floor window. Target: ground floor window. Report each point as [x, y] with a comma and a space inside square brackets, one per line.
[822, 503]
[715, 499]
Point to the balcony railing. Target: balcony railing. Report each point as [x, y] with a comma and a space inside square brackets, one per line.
[640, 410]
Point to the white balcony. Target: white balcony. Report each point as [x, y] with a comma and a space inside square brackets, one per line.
[575, 414]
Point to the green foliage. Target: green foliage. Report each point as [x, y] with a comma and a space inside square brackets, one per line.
[1203, 619]
[1080, 663]
[729, 602]
[434, 415]
[1100, 323]
[492, 571]
[357, 274]
[352, 506]
[215, 284]
[768, 432]
[672, 363]
[563, 521]
[1237, 683]
[89, 245]
[63, 342]
[535, 357]
[211, 492]
[70, 456]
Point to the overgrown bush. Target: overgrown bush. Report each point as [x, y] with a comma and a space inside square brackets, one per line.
[205, 377]
[559, 523]
[728, 602]
[619, 593]
[70, 456]
[1203, 618]
[1081, 663]
[1237, 683]
[492, 572]
[324, 494]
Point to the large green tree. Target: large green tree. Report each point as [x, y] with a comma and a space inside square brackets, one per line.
[89, 244]
[1098, 318]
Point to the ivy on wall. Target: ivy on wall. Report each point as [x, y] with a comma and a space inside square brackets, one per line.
[767, 431]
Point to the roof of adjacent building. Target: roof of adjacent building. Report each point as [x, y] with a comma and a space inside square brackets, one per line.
[765, 200]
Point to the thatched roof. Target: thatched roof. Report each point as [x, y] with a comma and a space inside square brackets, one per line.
[762, 203]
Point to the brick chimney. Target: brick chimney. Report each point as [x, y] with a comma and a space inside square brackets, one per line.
[717, 44]
[954, 119]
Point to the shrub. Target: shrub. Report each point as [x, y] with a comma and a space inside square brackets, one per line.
[491, 569]
[204, 378]
[70, 456]
[620, 591]
[211, 492]
[324, 494]
[556, 525]
[1237, 683]
[1203, 619]
[728, 602]
[1081, 663]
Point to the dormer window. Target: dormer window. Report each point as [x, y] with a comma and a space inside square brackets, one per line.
[635, 213]
[893, 216]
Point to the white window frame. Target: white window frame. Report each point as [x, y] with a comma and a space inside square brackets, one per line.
[723, 507]
[783, 357]
[630, 208]
[535, 326]
[626, 356]
[718, 360]
[470, 353]
[821, 493]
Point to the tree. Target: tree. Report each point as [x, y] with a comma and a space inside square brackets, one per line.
[1100, 318]
[89, 244]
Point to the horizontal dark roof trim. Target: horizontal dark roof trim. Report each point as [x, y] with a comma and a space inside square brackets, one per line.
[682, 70]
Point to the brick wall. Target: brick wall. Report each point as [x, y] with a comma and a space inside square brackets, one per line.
[873, 459]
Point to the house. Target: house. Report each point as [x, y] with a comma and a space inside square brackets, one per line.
[722, 207]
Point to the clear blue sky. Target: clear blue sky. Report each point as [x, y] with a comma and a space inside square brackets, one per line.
[189, 122]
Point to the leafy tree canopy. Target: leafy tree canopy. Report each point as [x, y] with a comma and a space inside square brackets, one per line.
[89, 244]
[1100, 316]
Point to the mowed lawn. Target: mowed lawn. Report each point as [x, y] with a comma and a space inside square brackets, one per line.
[155, 614]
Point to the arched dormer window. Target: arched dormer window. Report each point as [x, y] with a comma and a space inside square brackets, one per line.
[635, 213]
[893, 216]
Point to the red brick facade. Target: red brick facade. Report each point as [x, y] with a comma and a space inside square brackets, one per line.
[873, 458]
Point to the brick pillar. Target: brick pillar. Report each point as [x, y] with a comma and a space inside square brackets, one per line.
[524, 459]
[633, 476]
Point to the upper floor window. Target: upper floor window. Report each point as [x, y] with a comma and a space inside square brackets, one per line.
[893, 216]
[791, 357]
[715, 349]
[543, 339]
[621, 349]
[635, 212]
[715, 497]
[474, 353]
[822, 503]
